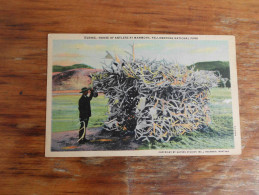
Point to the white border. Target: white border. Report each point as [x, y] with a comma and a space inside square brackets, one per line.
[180, 152]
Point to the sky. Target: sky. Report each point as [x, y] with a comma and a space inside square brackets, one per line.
[93, 52]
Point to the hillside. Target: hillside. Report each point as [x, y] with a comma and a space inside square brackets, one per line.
[58, 68]
[73, 79]
[222, 67]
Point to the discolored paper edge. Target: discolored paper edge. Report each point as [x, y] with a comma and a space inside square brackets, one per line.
[167, 152]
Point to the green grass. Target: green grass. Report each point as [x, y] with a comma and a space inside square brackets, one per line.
[58, 68]
[65, 115]
[219, 134]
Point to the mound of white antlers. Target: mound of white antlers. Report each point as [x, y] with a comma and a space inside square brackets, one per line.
[156, 99]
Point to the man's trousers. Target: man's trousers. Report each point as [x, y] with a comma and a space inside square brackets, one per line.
[82, 130]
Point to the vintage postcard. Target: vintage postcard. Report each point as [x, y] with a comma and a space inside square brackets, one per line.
[141, 95]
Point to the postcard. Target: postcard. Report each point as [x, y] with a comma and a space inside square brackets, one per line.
[141, 95]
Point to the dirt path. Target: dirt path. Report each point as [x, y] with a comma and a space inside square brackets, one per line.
[98, 140]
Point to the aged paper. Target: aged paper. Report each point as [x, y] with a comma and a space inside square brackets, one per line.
[141, 95]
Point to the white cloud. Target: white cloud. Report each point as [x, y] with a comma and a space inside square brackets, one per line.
[178, 45]
[83, 46]
[204, 50]
[68, 55]
[143, 45]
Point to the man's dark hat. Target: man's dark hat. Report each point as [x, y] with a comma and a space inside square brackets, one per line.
[84, 89]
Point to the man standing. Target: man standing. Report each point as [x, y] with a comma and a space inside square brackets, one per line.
[84, 112]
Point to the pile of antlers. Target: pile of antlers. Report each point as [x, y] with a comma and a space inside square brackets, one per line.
[155, 99]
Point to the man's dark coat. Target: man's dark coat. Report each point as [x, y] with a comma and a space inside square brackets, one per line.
[84, 106]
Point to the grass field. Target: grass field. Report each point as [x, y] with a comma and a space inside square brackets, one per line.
[65, 114]
[219, 134]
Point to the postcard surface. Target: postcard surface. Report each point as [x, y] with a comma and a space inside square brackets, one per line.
[141, 95]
